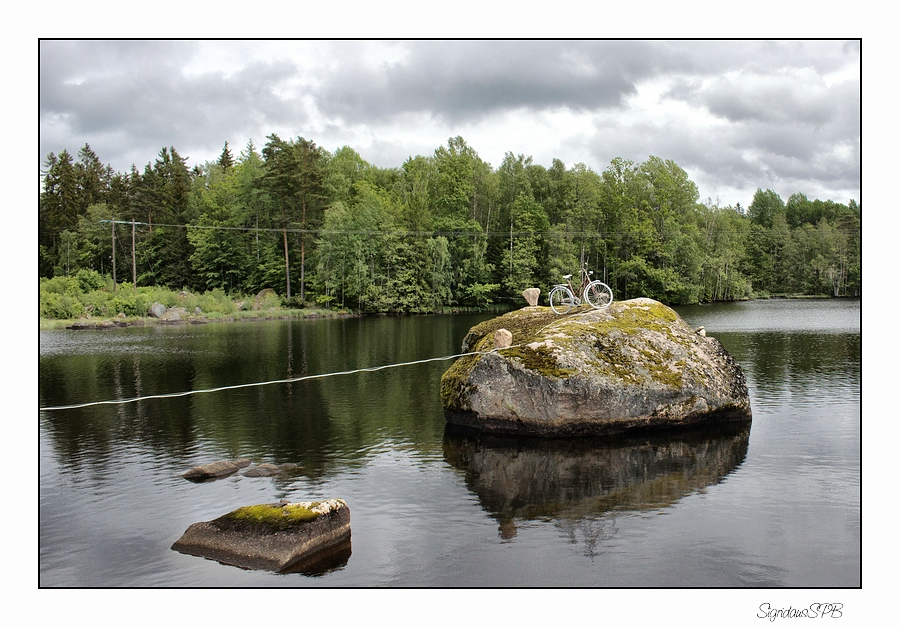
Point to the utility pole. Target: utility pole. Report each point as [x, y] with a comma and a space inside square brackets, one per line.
[113, 224]
[133, 260]
[133, 264]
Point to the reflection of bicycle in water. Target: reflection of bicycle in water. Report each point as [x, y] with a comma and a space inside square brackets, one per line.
[596, 293]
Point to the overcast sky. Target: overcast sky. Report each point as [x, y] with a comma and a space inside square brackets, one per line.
[736, 115]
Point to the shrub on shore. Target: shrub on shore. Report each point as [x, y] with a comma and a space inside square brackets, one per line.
[90, 295]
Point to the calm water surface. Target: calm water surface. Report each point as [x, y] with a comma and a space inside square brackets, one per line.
[776, 504]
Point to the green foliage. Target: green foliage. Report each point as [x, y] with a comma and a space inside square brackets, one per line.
[270, 300]
[219, 259]
[214, 301]
[55, 305]
[523, 261]
[160, 295]
[480, 295]
[127, 301]
[443, 230]
[60, 285]
[62, 298]
[295, 302]
[765, 208]
[95, 303]
[89, 280]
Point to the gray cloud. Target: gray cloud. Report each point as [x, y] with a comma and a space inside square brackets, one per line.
[735, 114]
[141, 96]
[791, 128]
[471, 80]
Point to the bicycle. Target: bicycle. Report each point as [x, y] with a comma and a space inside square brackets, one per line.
[596, 293]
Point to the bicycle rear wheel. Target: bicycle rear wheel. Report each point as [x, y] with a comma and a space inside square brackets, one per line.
[598, 294]
[561, 299]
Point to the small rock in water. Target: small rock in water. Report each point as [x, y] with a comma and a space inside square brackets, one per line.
[215, 470]
[273, 537]
[263, 470]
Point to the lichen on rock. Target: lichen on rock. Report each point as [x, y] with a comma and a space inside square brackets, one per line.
[634, 365]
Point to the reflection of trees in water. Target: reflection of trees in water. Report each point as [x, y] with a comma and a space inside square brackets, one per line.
[93, 436]
[580, 484]
[324, 426]
[804, 361]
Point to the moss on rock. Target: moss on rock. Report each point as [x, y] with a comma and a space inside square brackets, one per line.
[539, 359]
[276, 516]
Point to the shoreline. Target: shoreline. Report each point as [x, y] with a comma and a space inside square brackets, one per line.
[118, 322]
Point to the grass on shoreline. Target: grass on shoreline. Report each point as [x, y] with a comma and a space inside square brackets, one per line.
[91, 299]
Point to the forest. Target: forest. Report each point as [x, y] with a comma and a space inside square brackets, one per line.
[445, 230]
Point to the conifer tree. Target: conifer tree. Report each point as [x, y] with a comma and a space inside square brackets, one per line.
[226, 159]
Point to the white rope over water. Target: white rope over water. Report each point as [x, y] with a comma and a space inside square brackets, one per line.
[261, 383]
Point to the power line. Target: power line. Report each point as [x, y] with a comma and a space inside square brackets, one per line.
[261, 383]
[433, 233]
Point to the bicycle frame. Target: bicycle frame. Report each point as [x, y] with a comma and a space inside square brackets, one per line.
[563, 296]
[585, 281]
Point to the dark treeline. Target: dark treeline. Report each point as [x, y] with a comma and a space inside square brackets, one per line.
[442, 230]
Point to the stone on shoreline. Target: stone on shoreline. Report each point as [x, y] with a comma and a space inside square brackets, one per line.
[157, 310]
[274, 536]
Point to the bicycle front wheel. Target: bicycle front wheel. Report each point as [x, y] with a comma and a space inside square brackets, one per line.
[598, 295]
[561, 299]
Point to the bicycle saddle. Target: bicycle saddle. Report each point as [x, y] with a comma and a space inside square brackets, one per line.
[567, 276]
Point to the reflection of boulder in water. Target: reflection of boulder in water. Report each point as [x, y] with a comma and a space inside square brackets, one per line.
[323, 562]
[586, 478]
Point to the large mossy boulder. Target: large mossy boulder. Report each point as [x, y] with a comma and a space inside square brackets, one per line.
[633, 366]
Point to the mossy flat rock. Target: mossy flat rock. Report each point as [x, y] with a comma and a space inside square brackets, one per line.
[274, 536]
[633, 366]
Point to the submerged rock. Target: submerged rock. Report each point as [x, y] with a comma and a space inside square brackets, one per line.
[635, 365]
[263, 470]
[274, 536]
[215, 470]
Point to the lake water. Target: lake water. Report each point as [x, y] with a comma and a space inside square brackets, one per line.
[773, 505]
